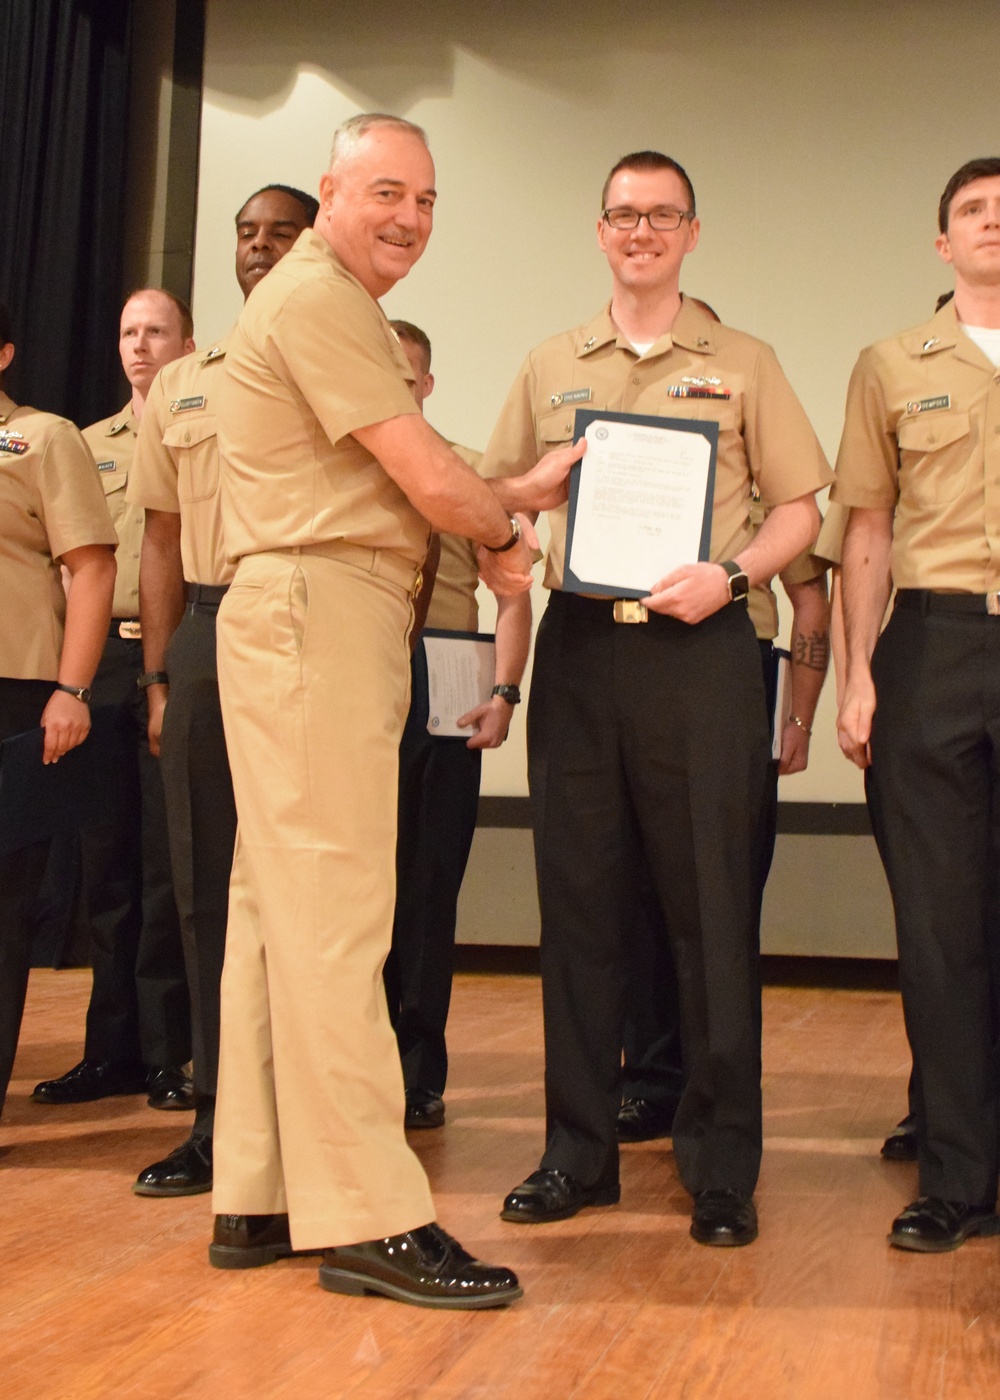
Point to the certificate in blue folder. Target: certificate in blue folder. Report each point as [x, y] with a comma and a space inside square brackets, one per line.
[640, 501]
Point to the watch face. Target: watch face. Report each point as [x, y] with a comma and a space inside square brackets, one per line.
[739, 586]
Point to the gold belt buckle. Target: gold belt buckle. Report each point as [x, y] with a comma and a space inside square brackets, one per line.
[130, 630]
[630, 610]
[993, 604]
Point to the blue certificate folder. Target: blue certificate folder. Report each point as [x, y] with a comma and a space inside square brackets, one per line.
[38, 799]
[584, 417]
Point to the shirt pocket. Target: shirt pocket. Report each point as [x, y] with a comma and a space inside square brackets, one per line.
[194, 446]
[934, 457]
[556, 427]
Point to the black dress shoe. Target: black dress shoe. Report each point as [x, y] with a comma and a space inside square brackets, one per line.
[426, 1267]
[424, 1109]
[901, 1144]
[931, 1225]
[248, 1241]
[553, 1195]
[170, 1088]
[187, 1171]
[724, 1217]
[641, 1120]
[89, 1080]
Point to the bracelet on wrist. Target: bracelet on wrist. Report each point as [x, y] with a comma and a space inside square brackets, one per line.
[794, 719]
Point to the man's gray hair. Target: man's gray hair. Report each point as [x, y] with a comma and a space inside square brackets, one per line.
[350, 134]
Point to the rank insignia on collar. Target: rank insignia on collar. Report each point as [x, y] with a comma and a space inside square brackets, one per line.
[214, 353]
[929, 405]
[591, 343]
[13, 442]
[118, 426]
[571, 396]
[185, 405]
[694, 391]
[930, 344]
[107, 466]
[703, 344]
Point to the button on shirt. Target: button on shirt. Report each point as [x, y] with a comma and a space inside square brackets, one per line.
[176, 464]
[922, 438]
[112, 442]
[764, 434]
[51, 501]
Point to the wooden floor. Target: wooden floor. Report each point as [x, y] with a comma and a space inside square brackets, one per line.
[104, 1294]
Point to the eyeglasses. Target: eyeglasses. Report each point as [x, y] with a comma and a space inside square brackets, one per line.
[663, 220]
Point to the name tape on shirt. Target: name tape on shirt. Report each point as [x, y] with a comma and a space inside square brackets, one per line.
[571, 396]
[107, 466]
[929, 405]
[185, 405]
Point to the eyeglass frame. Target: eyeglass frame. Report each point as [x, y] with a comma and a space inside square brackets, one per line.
[646, 214]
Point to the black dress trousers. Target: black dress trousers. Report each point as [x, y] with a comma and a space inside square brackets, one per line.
[652, 738]
[139, 1005]
[438, 802]
[21, 872]
[934, 796]
[201, 817]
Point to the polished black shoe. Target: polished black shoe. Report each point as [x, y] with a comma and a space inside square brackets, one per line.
[169, 1088]
[187, 1171]
[426, 1267]
[931, 1225]
[641, 1120]
[89, 1080]
[424, 1109]
[553, 1195]
[725, 1217]
[248, 1241]
[901, 1144]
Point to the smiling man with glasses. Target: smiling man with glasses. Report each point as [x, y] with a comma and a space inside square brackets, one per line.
[652, 740]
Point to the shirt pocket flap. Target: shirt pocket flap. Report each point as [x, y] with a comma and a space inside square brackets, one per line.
[932, 433]
[115, 480]
[189, 432]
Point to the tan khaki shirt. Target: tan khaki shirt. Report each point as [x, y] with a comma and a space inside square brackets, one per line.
[922, 438]
[764, 434]
[50, 502]
[176, 464]
[112, 441]
[312, 358]
[453, 605]
[830, 545]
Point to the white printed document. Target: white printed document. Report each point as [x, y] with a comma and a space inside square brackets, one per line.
[461, 667]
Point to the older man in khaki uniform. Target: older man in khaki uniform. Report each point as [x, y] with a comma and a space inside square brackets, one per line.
[919, 465]
[185, 574]
[655, 734]
[138, 1020]
[332, 480]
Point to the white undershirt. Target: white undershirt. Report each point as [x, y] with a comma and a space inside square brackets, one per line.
[988, 340]
[640, 349]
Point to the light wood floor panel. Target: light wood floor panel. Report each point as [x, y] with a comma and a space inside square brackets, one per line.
[104, 1294]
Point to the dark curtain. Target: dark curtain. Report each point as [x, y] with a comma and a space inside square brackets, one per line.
[63, 119]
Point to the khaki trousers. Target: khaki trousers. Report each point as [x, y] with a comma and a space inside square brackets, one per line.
[313, 676]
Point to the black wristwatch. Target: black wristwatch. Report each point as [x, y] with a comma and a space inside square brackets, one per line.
[510, 693]
[152, 678]
[79, 692]
[515, 535]
[739, 584]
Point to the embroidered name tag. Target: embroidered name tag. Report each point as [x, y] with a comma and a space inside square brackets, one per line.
[184, 405]
[928, 405]
[13, 442]
[107, 466]
[571, 396]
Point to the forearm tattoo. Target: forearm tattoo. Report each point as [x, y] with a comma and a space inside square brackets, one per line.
[812, 650]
